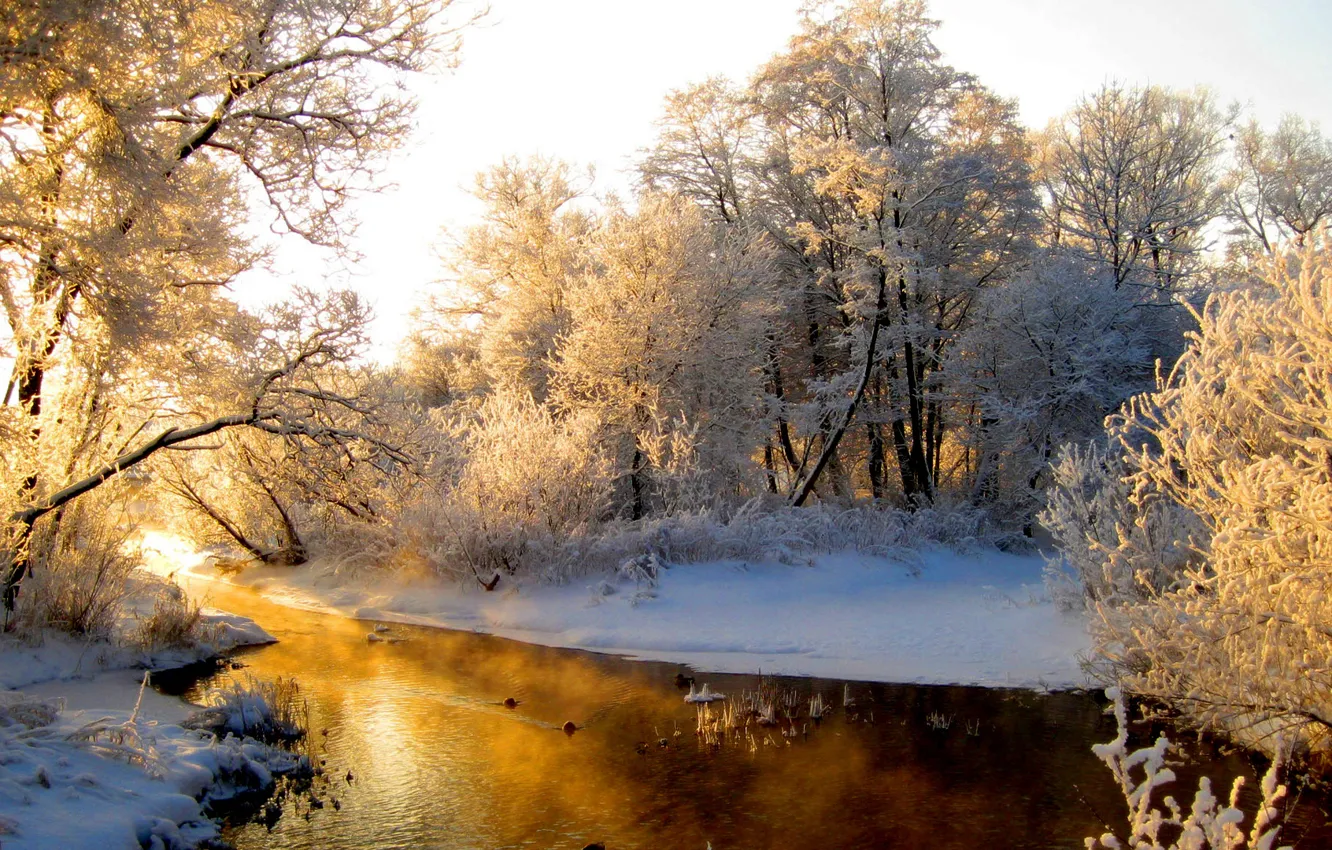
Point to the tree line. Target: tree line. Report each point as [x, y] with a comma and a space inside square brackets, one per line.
[853, 279]
[858, 277]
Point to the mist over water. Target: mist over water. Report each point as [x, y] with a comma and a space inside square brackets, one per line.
[437, 760]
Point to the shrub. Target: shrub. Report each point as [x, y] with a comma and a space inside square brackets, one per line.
[1113, 548]
[1205, 825]
[269, 711]
[529, 483]
[1240, 437]
[80, 573]
[176, 622]
[756, 531]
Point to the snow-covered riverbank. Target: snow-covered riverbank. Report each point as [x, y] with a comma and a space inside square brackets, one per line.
[980, 618]
[80, 768]
[107, 779]
[89, 759]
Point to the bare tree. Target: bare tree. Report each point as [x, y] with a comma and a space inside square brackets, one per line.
[1280, 185]
[1130, 176]
[279, 392]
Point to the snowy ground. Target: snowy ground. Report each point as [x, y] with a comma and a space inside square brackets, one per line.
[108, 779]
[79, 768]
[58, 658]
[945, 618]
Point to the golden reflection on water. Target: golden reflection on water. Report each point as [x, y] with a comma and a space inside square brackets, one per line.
[438, 761]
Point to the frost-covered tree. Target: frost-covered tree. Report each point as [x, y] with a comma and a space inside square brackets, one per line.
[901, 185]
[704, 149]
[242, 501]
[513, 272]
[1240, 437]
[136, 135]
[1049, 354]
[1279, 186]
[667, 344]
[1131, 180]
[283, 498]
[273, 385]
[439, 362]
[140, 142]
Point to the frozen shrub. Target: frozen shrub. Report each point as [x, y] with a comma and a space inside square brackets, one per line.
[129, 740]
[17, 708]
[1205, 826]
[176, 621]
[529, 483]
[266, 711]
[1240, 436]
[756, 532]
[644, 570]
[456, 540]
[1113, 547]
[80, 571]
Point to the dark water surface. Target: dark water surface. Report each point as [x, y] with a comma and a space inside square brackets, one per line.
[437, 761]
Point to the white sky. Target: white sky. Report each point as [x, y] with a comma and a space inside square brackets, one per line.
[584, 80]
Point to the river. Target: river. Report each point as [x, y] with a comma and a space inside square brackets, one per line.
[421, 752]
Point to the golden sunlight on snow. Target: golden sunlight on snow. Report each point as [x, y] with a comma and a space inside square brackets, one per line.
[166, 554]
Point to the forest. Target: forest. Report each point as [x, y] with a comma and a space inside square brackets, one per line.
[852, 285]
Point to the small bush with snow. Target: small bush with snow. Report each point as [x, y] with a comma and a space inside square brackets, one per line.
[1112, 548]
[1206, 826]
[495, 534]
[528, 481]
[270, 711]
[19, 709]
[176, 622]
[81, 574]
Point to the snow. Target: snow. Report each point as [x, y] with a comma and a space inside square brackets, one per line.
[704, 695]
[110, 779]
[63, 786]
[940, 617]
[46, 779]
[60, 658]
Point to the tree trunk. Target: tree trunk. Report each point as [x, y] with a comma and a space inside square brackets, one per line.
[783, 428]
[769, 467]
[903, 451]
[920, 470]
[877, 467]
[938, 448]
[931, 456]
[830, 446]
[293, 552]
[636, 484]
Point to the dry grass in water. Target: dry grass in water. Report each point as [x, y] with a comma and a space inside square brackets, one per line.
[269, 711]
[750, 718]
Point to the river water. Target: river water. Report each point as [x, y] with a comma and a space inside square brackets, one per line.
[421, 752]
